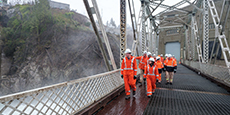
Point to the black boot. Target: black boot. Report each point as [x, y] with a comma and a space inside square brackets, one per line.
[127, 97]
[167, 83]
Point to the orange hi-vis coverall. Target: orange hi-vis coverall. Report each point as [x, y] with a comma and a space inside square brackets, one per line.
[129, 70]
[151, 72]
[143, 61]
[160, 66]
[162, 59]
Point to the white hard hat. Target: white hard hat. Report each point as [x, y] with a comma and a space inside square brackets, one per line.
[152, 59]
[169, 55]
[154, 54]
[127, 51]
[149, 53]
[173, 55]
[166, 55]
[158, 57]
[161, 54]
[145, 52]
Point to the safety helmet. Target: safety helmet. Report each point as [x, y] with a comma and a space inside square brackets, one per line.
[161, 54]
[127, 51]
[173, 55]
[169, 55]
[158, 57]
[166, 55]
[152, 59]
[145, 52]
[154, 54]
[149, 53]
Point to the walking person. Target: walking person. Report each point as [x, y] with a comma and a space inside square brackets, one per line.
[143, 61]
[160, 66]
[171, 67]
[129, 72]
[151, 73]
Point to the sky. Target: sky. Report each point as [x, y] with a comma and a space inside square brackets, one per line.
[111, 8]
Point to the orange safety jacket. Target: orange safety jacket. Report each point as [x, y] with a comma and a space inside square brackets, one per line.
[143, 61]
[129, 66]
[159, 64]
[151, 71]
[170, 65]
[162, 59]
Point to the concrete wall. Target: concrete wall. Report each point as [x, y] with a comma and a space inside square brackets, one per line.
[59, 5]
[180, 37]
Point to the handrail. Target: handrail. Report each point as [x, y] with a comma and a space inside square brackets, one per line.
[218, 72]
[63, 98]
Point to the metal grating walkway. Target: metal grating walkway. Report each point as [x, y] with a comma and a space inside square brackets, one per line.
[190, 94]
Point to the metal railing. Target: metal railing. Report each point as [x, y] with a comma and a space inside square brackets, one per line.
[64, 98]
[218, 72]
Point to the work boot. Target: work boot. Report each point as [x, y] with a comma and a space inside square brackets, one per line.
[140, 84]
[167, 83]
[170, 83]
[134, 92]
[149, 96]
[127, 97]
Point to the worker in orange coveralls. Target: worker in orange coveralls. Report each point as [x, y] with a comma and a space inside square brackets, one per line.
[160, 66]
[151, 73]
[143, 61]
[162, 58]
[129, 72]
[171, 67]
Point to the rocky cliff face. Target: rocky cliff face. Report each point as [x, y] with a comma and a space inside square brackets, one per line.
[69, 56]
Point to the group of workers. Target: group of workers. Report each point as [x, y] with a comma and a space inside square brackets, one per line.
[151, 68]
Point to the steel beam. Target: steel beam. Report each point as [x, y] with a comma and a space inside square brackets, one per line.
[205, 31]
[122, 29]
[104, 34]
[97, 34]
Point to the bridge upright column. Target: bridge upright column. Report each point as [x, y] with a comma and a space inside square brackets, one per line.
[143, 27]
[122, 29]
[205, 31]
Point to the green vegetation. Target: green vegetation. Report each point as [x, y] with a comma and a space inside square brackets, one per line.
[33, 27]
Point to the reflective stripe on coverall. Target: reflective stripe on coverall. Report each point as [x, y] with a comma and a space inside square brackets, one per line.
[160, 66]
[128, 70]
[151, 73]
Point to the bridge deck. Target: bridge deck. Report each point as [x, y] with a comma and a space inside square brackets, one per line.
[189, 94]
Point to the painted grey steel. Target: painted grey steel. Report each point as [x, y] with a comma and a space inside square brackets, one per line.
[166, 6]
[219, 72]
[205, 31]
[88, 9]
[104, 34]
[122, 29]
[134, 26]
[172, 7]
[221, 37]
[61, 99]
[143, 27]
[165, 27]
[197, 39]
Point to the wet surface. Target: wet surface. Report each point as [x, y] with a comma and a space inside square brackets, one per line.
[189, 94]
[133, 106]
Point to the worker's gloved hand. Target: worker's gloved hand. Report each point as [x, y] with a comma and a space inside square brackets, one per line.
[144, 79]
[122, 76]
[157, 80]
[174, 70]
[135, 77]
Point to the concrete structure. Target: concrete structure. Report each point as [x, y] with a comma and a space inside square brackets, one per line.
[177, 33]
[59, 5]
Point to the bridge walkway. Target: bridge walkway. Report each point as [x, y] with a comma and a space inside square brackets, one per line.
[190, 94]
